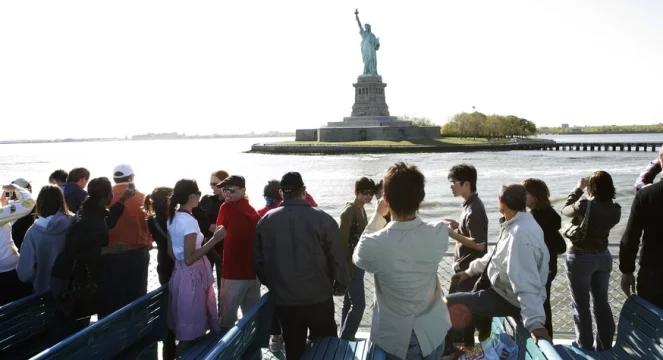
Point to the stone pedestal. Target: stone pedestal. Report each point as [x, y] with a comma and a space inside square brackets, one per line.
[369, 97]
[370, 119]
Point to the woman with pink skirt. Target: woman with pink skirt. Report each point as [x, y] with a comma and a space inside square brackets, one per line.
[192, 306]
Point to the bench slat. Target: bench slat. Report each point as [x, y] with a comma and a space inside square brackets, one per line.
[23, 324]
[639, 334]
[143, 320]
[245, 339]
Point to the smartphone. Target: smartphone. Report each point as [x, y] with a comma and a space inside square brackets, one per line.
[131, 186]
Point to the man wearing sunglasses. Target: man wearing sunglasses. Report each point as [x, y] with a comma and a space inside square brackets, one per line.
[239, 285]
[473, 224]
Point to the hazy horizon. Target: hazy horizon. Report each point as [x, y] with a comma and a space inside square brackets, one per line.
[78, 69]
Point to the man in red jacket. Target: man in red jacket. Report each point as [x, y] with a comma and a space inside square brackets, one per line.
[239, 285]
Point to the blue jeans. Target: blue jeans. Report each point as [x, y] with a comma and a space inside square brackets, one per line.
[589, 273]
[414, 351]
[354, 304]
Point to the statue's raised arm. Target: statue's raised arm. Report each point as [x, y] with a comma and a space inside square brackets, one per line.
[358, 21]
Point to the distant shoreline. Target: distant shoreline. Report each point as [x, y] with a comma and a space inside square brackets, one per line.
[599, 133]
[150, 137]
[369, 147]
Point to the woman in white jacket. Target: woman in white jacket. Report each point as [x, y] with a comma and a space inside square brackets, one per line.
[15, 202]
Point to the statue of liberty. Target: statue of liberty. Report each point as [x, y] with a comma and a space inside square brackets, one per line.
[369, 45]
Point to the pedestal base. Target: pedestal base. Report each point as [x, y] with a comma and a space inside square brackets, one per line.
[370, 97]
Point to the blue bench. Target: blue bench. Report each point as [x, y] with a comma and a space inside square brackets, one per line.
[24, 326]
[126, 333]
[639, 334]
[527, 348]
[333, 348]
[244, 341]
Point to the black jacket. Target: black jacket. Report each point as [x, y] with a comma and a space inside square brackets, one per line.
[206, 213]
[85, 238]
[646, 222]
[165, 263]
[603, 216]
[298, 254]
[550, 222]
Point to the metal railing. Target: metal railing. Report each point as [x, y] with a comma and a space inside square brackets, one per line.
[561, 300]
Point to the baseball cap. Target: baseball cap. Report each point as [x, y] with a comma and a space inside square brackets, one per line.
[291, 181]
[22, 183]
[233, 180]
[122, 170]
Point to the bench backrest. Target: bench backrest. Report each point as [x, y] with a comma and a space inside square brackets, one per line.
[250, 334]
[143, 320]
[640, 330]
[23, 324]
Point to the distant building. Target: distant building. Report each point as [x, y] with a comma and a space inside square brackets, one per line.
[565, 126]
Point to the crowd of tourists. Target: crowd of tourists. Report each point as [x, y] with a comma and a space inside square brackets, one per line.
[86, 241]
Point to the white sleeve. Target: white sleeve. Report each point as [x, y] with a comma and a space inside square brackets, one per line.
[367, 254]
[523, 273]
[377, 223]
[190, 226]
[18, 208]
[477, 266]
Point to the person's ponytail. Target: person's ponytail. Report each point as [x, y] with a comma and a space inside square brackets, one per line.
[172, 207]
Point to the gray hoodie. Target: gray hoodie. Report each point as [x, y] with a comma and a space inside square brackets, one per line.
[43, 242]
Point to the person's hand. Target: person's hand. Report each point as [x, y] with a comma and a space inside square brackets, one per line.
[383, 207]
[459, 277]
[582, 183]
[453, 224]
[628, 284]
[4, 199]
[541, 333]
[127, 194]
[219, 234]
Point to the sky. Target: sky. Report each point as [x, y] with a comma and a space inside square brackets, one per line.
[75, 69]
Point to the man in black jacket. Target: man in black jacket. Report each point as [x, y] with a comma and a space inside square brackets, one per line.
[644, 222]
[299, 258]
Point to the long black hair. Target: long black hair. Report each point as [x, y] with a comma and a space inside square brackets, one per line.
[156, 203]
[183, 188]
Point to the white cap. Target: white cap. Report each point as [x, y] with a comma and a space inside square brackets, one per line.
[22, 183]
[122, 170]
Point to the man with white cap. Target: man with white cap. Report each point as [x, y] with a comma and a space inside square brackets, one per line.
[15, 202]
[21, 226]
[125, 267]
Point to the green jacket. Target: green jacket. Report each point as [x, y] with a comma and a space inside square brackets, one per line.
[353, 222]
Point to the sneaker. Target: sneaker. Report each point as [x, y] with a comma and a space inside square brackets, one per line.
[276, 343]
